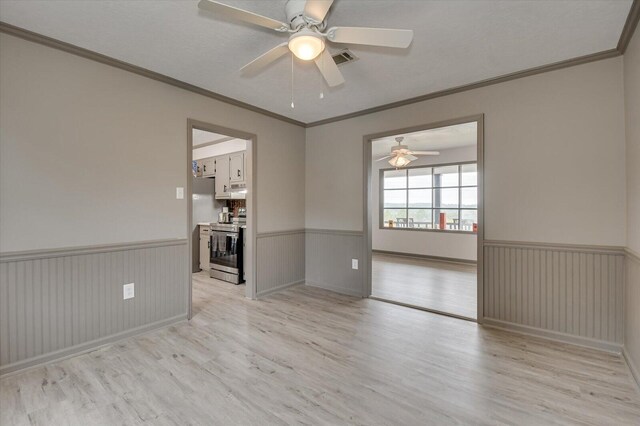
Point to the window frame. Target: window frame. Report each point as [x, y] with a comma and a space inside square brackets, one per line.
[459, 187]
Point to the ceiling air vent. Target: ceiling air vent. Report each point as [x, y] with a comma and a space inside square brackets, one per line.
[343, 57]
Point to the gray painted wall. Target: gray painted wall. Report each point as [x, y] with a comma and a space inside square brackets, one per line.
[91, 155]
[56, 303]
[280, 258]
[564, 289]
[106, 149]
[632, 109]
[328, 260]
[632, 131]
[543, 137]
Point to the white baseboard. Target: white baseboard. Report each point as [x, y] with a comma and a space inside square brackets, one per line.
[602, 345]
[281, 287]
[335, 289]
[48, 358]
[635, 372]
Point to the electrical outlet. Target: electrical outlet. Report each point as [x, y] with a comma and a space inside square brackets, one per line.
[128, 291]
[354, 263]
[179, 193]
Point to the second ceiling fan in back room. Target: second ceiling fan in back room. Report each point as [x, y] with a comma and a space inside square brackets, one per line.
[308, 34]
[401, 155]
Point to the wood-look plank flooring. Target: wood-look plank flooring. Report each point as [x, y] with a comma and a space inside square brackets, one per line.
[308, 356]
[439, 286]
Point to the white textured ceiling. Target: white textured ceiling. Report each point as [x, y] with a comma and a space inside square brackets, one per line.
[456, 136]
[455, 43]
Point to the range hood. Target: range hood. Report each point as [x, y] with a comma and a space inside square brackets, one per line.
[238, 191]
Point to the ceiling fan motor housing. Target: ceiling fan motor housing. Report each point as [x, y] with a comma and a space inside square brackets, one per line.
[399, 148]
[294, 10]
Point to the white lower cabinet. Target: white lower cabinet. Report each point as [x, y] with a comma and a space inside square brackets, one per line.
[204, 247]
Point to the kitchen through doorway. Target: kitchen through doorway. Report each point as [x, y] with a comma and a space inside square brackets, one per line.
[221, 212]
[424, 221]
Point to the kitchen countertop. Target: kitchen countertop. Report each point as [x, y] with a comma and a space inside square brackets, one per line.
[204, 223]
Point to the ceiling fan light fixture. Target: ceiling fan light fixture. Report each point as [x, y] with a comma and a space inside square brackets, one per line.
[306, 45]
[399, 161]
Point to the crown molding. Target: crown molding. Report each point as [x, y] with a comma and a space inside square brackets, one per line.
[488, 82]
[116, 63]
[629, 27]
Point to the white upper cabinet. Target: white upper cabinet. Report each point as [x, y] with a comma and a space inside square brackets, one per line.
[222, 177]
[236, 167]
[227, 169]
[198, 171]
[209, 167]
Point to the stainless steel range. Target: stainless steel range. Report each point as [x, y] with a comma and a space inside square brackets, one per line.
[227, 252]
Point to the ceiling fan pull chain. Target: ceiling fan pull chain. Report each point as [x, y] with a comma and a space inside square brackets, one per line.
[292, 104]
[322, 73]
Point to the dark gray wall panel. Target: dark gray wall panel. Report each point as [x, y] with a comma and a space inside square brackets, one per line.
[53, 301]
[569, 290]
[280, 260]
[328, 260]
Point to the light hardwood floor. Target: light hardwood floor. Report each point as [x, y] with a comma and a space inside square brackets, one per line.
[308, 356]
[440, 286]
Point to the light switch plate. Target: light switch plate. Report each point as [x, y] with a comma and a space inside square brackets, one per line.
[179, 193]
[128, 291]
[354, 263]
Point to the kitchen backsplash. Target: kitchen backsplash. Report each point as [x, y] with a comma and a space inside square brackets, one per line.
[234, 205]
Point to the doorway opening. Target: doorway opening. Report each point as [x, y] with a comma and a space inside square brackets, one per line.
[424, 216]
[221, 213]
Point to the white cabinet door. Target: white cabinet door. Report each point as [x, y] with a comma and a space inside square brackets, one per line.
[204, 248]
[209, 167]
[236, 166]
[222, 177]
[198, 168]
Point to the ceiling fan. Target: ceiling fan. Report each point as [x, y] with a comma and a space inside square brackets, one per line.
[307, 36]
[401, 155]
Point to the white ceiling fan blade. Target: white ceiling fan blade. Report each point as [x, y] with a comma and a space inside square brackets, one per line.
[425, 152]
[384, 158]
[329, 69]
[242, 15]
[410, 157]
[371, 36]
[265, 59]
[317, 9]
